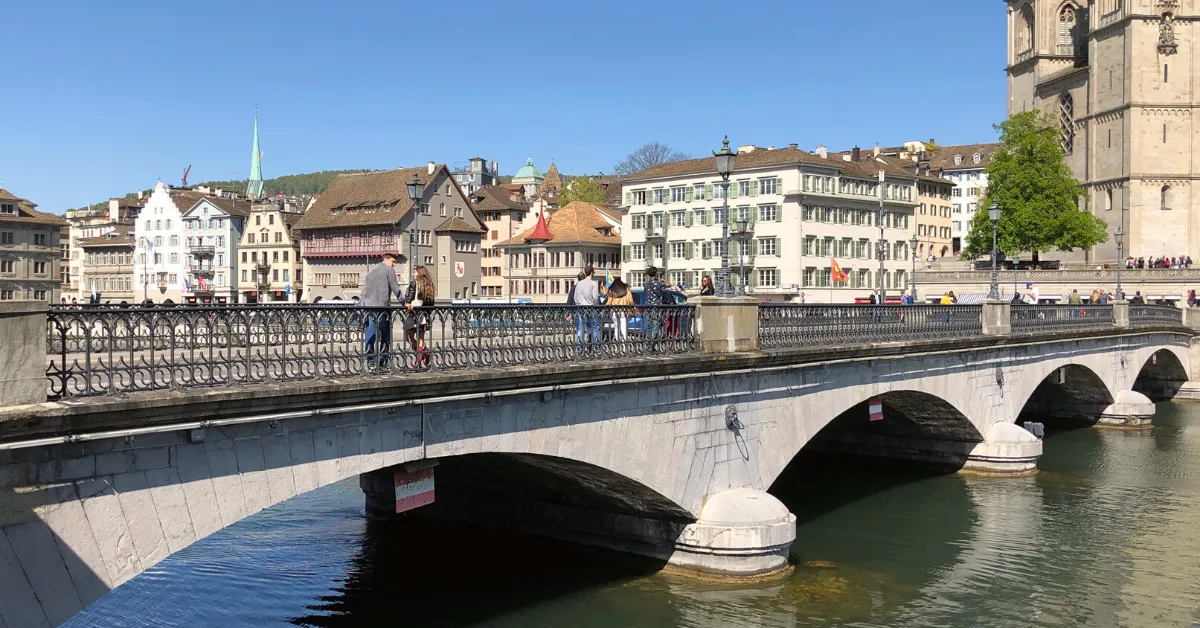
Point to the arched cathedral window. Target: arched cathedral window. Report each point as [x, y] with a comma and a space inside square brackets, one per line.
[1066, 123]
[1025, 34]
[1163, 194]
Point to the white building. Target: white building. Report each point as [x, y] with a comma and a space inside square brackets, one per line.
[801, 210]
[162, 253]
[212, 228]
[965, 166]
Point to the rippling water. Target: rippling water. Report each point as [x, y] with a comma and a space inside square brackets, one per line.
[1107, 534]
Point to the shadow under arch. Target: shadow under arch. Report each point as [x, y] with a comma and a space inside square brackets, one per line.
[1161, 377]
[1071, 395]
[488, 534]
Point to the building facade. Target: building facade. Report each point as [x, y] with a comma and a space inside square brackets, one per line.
[269, 264]
[503, 214]
[965, 167]
[107, 266]
[477, 173]
[212, 229]
[1119, 78]
[88, 223]
[529, 178]
[933, 218]
[362, 216]
[791, 212]
[546, 259]
[30, 251]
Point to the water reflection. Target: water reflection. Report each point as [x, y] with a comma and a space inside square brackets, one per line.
[1108, 534]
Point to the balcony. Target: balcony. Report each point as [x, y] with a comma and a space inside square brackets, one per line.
[201, 250]
[355, 247]
[656, 233]
[202, 271]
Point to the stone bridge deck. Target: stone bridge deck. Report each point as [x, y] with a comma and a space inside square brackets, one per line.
[667, 456]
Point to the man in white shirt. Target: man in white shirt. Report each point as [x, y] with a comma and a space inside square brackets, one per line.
[1032, 296]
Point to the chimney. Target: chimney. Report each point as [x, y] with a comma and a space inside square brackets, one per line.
[846, 157]
[855, 154]
[822, 152]
[430, 167]
[139, 195]
[876, 149]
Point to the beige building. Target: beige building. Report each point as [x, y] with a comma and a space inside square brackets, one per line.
[1120, 78]
[86, 224]
[362, 216]
[30, 251]
[799, 211]
[107, 266]
[503, 212]
[546, 259]
[269, 267]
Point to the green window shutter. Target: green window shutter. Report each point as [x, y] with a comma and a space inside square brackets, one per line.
[733, 189]
[708, 191]
[649, 197]
[752, 279]
[689, 250]
[626, 253]
[754, 188]
[628, 198]
[708, 218]
[753, 248]
[753, 215]
[779, 213]
[779, 185]
[687, 194]
[687, 219]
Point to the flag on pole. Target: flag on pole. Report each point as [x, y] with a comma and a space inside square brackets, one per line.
[836, 274]
[183, 283]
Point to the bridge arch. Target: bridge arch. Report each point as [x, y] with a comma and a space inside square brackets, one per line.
[913, 420]
[1161, 375]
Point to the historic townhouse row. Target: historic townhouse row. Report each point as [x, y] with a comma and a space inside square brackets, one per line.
[791, 212]
[29, 251]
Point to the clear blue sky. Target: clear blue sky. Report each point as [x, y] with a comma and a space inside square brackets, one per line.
[102, 98]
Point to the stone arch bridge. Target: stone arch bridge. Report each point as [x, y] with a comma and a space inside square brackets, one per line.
[667, 457]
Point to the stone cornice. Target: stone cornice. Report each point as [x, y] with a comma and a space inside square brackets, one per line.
[1137, 105]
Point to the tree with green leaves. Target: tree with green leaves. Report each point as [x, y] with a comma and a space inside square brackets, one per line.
[1028, 178]
[584, 189]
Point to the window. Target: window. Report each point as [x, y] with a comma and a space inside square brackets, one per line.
[1066, 122]
[743, 188]
[1070, 41]
[720, 190]
[768, 277]
[258, 220]
[678, 219]
[458, 212]
[719, 215]
[1025, 35]
[1164, 193]
[768, 213]
[7, 266]
[639, 197]
[271, 219]
[678, 250]
[659, 195]
[677, 194]
[174, 240]
[250, 238]
[1108, 199]
[7, 208]
[278, 236]
[958, 160]
[698, 192]
[768, 246]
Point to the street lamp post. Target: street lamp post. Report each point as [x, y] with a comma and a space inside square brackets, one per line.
[994, 214]
[912, 251]
[725, 162]
[416, 191]
[881, 247]
[1119, 235]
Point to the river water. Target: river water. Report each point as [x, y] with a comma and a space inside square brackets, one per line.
[1107, 534]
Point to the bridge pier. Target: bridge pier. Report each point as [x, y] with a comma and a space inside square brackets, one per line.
[1130, 410]
[741, 533]
[1007, 450]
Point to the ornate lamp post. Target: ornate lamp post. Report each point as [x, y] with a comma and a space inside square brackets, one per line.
[743, 230]
[1119, 235]
[912, 252]
[994, 214]
[725, 163]
[416, 191]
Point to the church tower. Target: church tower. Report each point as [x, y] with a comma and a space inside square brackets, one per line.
[1119, 77]
[255, 187]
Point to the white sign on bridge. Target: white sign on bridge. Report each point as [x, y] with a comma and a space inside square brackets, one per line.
[413, 489]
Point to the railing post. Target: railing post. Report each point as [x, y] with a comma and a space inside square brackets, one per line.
[23, 352]
[1191, 318]
[996, 317]
[726, 324]
[1121, 313]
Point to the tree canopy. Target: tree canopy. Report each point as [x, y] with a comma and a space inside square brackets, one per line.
[584, 189]
[648, 155]
[1028, 178]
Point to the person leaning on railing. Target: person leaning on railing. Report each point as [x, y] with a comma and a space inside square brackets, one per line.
[378, 288]
[621, 298]
[420, 294]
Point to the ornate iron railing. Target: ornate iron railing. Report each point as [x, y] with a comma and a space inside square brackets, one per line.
[836, 325]
[112, 350]
[1103, 277]
[1145, 315]
[1052, 317]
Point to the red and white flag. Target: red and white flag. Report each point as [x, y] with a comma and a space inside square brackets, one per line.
[876, 408]
[414, 489]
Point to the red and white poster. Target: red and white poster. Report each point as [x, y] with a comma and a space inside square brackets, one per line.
[876, 408]
[413, 489]
[460, 269]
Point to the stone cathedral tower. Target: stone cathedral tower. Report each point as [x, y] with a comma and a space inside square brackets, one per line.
[1122, 79]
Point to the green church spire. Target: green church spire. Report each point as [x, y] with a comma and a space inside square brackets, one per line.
[255, 187]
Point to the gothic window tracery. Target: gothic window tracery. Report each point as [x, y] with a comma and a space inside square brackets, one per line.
[1066, 123]
[1025, 31]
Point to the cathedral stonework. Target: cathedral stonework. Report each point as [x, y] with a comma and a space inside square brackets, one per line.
[1119, 78]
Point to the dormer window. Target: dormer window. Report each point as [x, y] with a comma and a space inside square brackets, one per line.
[7, 208]
[977, 157]
[958, 160]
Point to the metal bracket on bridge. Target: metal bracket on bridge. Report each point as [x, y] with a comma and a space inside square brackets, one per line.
[731, 418]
